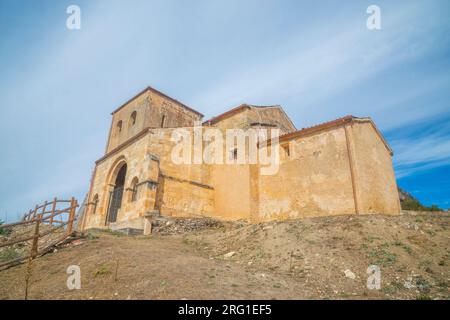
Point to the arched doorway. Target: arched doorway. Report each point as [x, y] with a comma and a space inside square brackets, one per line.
[115, 199]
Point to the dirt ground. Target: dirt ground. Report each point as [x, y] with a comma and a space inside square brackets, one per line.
[314, 258]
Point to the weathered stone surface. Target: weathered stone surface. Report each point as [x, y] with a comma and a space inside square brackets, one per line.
[344, 168]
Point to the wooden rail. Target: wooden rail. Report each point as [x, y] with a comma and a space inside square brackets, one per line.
[39, 217]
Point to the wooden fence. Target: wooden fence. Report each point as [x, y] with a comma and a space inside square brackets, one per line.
[50, 214]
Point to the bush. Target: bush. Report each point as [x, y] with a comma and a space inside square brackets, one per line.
[2, 230]
[9, 253]
[415, 205]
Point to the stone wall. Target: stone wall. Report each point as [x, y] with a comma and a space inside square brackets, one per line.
[173, 189]
[313, 180]
[117, 135]
[152, 110]
[375, 178]
[139, 164]
[340, 167]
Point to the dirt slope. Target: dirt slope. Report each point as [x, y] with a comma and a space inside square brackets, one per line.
[301, 259]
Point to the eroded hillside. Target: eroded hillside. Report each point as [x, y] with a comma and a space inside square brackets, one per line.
[315, 258]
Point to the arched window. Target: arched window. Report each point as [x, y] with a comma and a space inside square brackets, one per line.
[119, 126]
[94, 204]
[134, 185]
[163, 119]
[132, 119]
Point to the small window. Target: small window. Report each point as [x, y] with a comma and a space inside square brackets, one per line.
[287, 151]
[119, 126]
[163, 119]
[133, 118]
[94, 204]
[134, 185]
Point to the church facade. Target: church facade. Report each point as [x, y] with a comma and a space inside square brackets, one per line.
[338, 167]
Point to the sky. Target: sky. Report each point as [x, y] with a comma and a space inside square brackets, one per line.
[316, 59]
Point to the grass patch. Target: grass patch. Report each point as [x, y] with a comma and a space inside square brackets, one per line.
[382, 257]
[9, 253]
[403, 246]
[103, 270]
[422, 284]
[163, 283]
[92, 236]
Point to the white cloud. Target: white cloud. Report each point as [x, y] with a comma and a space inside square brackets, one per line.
[419, 153]
[328, 67]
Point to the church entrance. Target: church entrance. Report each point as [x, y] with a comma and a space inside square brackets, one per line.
[115, 199]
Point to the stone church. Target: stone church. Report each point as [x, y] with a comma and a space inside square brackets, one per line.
[338, 167]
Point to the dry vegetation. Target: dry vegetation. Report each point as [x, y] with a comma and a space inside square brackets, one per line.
[301, 259]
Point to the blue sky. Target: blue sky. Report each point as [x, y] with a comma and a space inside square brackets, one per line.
[317, 59]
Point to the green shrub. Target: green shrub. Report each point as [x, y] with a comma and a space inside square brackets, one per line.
[2, 230]
[415, 205]
[9, 253]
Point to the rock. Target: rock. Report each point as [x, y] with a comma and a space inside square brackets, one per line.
[408, 284]
[184, 225]
[77, 243]
[349, 274]
[229, 255]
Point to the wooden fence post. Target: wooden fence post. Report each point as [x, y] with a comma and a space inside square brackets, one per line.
[73, 207]
[26, 215]
[43, 209]
[53, 211]
[34, 246]
[35, 211]
[33, 252]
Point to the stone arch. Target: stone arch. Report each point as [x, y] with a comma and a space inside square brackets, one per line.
[133, 190]
[115, 188]
[119, 127]
[114, 170]
[132, 120]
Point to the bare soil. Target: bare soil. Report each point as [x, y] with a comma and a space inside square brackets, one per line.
[299, 259]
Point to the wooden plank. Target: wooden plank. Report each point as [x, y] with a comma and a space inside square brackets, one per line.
[33, 217]
[57, 212]
[10, 243]
[17, 223]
